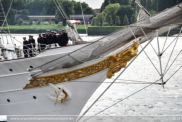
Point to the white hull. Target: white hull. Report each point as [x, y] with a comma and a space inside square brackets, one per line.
[22, 101]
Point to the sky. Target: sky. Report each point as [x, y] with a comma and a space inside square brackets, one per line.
[93, 3]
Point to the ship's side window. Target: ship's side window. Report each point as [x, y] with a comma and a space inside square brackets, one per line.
[8, 100]
[11, 70]
[31, 66]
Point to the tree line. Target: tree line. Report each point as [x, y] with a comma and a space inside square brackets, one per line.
[124, 12]
[43, 7]
[113, 12]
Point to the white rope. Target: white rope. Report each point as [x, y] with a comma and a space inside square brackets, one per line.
[63, 10]
[172, 42]
[166, 38]
[59, 9]
[173, 74]
[121, 100]
[173, 62]
[6, 22]
[145, 53]
[172, 51]
[84, 20]
[148, 38]
[7, 15]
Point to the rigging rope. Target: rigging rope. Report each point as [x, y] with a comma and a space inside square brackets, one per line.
[6, 19]
[6, 15]
[115, 79]
[171, 43]
[173, 62]
[172, 51]
[159, 56]
[148, 38]
[166, 38]
[145, 52]
[84, 20]
[63, 10]
[172, 75]
[122, 100]
[59, 9]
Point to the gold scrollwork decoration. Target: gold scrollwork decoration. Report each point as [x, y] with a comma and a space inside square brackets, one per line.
[114, 63]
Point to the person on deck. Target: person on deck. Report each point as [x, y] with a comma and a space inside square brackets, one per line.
[54, 38]
[25, 47]
[44, 41]
[49, 38]
[64, 38]
[32, 43]
[39, 41]
[60, 38]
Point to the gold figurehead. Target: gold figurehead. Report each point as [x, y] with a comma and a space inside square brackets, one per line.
[115, 63]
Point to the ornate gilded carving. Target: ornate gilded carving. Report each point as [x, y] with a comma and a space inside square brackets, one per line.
[115, 63]
[120, 60]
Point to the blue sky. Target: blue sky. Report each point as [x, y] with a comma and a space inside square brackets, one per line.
[93, 3]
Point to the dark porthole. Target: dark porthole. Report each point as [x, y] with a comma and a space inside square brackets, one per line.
[31, 66]
[34, 97]
[11, 70]
[8, 100]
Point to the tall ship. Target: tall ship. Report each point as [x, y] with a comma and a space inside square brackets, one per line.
[60, 80]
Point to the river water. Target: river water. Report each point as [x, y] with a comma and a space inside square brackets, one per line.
[154, 100]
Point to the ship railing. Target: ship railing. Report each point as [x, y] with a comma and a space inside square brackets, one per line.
[17, 52]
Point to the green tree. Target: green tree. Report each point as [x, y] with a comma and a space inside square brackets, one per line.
[44, 12]
[93, 21]
[99, 19]
[30, 21]
[44, 20]
[125, 21]
[50, 21]
[107, 2]
[38, 22]
[88, 10]
[133, 18]
[117, 21]
[11, 17]
[111, 10]
[125, 10]
[23, 11]
[85, 7]
[109, 20]
[58, 17]
[20, 21]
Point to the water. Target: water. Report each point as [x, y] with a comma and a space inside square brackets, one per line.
[154, 100]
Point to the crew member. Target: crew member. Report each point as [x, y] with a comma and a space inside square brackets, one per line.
[39, 41]
[60, 38]
[44, 41]
[64, 38]
[31, 42]
[25, 47]
[54, 38]
[49, 38]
